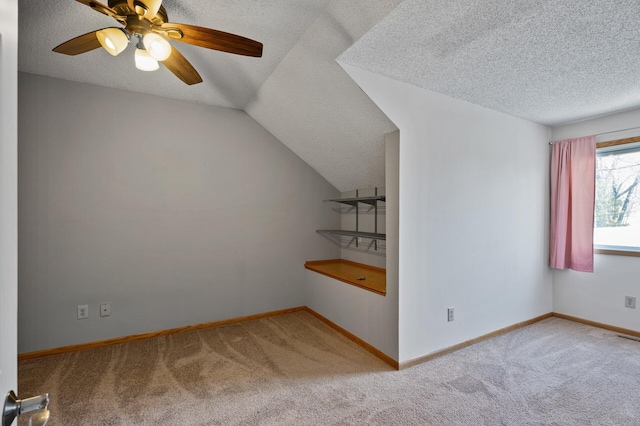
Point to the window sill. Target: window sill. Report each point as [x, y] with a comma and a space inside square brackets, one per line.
[357, 274]
[617, 252]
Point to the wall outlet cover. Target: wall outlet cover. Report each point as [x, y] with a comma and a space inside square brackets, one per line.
[83, 311]
[105, 309]
[450, 314]
[630, 302]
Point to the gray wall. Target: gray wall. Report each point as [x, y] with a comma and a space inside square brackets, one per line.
[176, 213]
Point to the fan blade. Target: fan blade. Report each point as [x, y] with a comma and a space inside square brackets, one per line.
[99, 7]
[145, 8]
[181, 68]
[80, 44]
[213, 39]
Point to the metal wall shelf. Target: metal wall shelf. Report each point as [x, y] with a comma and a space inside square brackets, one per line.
[357, 234]
[376, 240]
[372, 201]
[354, 239]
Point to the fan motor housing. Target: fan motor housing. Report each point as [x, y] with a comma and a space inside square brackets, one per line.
[123, 9]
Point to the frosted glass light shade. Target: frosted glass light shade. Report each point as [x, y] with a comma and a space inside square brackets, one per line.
[157, 46]
[144, 61]
[114, 40]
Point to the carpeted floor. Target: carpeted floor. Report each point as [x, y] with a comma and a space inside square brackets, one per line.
[294, 370]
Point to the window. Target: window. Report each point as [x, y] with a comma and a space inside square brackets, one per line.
[617, 210]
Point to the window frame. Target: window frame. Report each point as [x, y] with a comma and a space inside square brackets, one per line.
[616, 250]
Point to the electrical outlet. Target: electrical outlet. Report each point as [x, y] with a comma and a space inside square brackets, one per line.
[450, 314]
[105, 309]
[83, 311]
[629, 302]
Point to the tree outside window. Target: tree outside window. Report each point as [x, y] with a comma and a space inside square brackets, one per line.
[617, 210]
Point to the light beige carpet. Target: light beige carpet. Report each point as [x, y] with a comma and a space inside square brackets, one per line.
[294, 370]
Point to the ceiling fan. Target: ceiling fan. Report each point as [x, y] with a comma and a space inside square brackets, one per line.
[147, 25]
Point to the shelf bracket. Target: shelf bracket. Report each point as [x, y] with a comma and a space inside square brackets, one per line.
[352, 240]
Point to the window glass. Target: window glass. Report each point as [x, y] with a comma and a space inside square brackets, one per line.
[617, 212]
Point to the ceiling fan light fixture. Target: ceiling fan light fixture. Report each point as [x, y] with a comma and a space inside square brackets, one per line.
[141, 10]
[137, 18]
[157, 46]
[147, 9]
[113, 40]
[144, 61]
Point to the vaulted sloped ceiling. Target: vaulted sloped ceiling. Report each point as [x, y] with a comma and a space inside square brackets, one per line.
[296, 90]
[313, 106]
[549, 61]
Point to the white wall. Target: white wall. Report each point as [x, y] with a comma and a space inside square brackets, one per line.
[176, 213]
[8, 194]
[473, 216]
[600, 296]
[370, 316]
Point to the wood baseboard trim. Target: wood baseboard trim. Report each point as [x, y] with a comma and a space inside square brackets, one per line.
[142, 336]
[613, 328]
[479, 339]
[384, 357]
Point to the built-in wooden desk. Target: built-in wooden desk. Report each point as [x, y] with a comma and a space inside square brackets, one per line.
[358, 274]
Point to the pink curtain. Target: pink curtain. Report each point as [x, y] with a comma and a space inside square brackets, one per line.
[573, 182]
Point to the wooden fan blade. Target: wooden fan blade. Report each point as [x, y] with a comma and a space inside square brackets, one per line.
[181, 68]
[104, 9]
[145, 8]
[80, 44]
[213, 39]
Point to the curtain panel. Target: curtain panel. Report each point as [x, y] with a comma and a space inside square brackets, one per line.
[573, 182]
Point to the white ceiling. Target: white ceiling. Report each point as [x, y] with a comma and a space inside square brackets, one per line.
[549, 61]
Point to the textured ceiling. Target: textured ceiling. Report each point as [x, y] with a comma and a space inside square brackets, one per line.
[548, 61]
